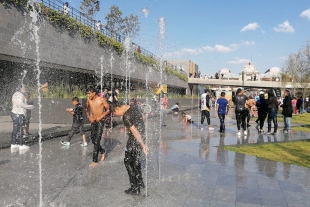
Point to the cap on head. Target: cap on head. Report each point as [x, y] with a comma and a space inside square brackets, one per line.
[262, 92]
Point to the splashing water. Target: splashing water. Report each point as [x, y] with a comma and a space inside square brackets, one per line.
[34, 28]
[161, 24]
[111, 67]
[101, 71]
[145, 11]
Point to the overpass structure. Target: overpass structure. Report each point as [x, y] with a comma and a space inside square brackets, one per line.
[240, 83]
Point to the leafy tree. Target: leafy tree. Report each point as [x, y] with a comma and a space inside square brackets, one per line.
[90, 7]
[114, 20]
[131, 26]
[126, 26]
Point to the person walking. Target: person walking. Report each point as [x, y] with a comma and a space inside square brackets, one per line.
[205, 109]
[78, 122]
[272, 105]
[222, 108]
[134, 124]
[239, 101]
[261, 105]
[287, 111]
[96, 110]
[18, 112]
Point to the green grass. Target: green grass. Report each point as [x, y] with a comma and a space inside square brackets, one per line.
[296, 153]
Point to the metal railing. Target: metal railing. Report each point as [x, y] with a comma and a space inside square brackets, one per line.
[58, 6]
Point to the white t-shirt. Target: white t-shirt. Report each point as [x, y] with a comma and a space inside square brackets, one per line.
[203, 101]
[19, 103]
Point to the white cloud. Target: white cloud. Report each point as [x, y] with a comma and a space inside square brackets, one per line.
[284, 27]
[248, 43]
[239, 61]
[251, 26]
[197, 51]
[306, 14]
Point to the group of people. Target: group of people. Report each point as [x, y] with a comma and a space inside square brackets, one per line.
[266, 105]
[99, 107]
[266, 108]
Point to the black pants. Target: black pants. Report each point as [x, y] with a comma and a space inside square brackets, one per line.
[96, 132]
[222, 121]
[18, 129]
[76, 126]
[132, 163]
[240, 117]
[261, 118]
[205, 114]
[272, 116]
[248, 115]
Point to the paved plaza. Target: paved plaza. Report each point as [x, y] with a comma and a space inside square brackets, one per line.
[185, 167]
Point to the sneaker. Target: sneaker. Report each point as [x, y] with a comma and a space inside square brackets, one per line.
[248, 125]
[245, 133]
[84, 144]
[14, 146]
[273, 133]
[285, 132]
[261, 131]
[23, 147]
[211, 128]
[65, 143]
[268, 133]
[238, 133]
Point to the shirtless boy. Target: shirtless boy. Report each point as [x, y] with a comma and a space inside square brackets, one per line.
[99, 108]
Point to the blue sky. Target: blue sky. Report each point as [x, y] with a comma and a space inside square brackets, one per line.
[220, 33]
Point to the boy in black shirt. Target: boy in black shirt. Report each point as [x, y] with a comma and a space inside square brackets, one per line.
[78, 123]
[135, 128]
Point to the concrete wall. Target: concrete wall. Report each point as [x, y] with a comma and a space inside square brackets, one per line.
[59, 49]
[53, 109]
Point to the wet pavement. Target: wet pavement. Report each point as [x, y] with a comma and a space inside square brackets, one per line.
[185, 167]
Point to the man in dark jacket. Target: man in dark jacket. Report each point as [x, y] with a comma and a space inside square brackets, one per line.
[287, 111]
[261, 105]
[239, 101]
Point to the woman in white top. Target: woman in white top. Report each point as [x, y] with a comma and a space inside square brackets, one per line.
[18, 117]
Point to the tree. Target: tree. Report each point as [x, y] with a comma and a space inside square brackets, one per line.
[131, 26]
[90, 7]
[114, 20]
[126, 26]
[297, 70]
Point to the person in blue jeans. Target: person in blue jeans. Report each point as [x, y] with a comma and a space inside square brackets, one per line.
[222, 108]
[287, 111]
[272, 105]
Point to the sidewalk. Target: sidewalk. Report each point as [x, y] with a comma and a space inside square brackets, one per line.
[185, 167]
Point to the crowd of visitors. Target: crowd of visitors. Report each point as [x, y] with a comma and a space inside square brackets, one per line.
[102, 103]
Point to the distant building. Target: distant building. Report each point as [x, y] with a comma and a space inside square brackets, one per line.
[225, 73]
[273, 74]
[249, 71]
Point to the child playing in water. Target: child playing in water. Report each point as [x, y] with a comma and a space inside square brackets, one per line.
[175, 108]
[186, 119]
[78, 123]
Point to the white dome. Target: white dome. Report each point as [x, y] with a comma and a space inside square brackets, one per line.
[249, 69]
